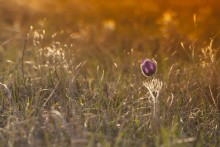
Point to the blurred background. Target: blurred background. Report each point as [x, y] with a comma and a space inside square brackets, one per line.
[148, 26]
[70, 72]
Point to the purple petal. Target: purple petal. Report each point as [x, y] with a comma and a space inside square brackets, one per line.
[148, 67]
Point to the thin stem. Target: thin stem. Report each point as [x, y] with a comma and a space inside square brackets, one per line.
[22, 62]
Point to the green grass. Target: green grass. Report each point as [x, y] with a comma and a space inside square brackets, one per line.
[57, 95]
[79, 83]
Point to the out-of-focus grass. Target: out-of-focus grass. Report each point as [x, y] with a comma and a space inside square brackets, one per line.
[77, 80]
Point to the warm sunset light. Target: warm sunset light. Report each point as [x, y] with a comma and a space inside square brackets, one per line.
[120, 73]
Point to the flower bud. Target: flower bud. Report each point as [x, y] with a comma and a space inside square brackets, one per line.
[149, 67]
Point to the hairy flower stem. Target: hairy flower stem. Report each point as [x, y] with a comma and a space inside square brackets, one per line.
[155, 113]
[154, 86]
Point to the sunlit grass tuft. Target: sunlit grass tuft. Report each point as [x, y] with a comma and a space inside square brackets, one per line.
[83, 86]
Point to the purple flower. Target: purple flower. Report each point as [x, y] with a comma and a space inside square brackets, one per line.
[149, 67]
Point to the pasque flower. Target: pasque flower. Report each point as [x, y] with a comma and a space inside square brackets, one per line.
[154, 86]
[148, 67]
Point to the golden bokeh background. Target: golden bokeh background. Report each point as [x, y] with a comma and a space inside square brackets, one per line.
[150, 20]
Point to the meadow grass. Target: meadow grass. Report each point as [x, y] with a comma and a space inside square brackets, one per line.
[84, 87]
[53, 94]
